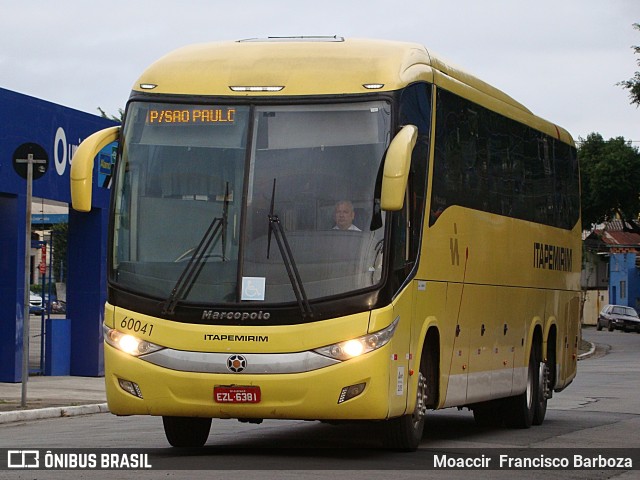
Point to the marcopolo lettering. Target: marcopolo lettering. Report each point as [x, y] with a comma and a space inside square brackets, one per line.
[214, 315]
[552, 257]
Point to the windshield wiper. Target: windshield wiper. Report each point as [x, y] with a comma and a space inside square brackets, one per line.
[196, 263]
[275, 228]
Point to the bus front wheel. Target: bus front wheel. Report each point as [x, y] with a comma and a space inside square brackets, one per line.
[405, 433]
[186, 432]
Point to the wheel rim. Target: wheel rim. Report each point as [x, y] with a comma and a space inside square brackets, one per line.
[421, 400]
[544, 382]
[530, 381]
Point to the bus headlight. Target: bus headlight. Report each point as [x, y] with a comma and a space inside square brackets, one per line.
[127, 343]
[359, 346]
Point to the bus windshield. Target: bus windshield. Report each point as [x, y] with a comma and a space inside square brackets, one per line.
[199, 188]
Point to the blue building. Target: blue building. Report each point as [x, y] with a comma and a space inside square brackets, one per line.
[624, 280]
[54, 132]
[619, 243]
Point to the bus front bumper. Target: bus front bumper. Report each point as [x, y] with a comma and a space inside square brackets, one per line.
[137, 387]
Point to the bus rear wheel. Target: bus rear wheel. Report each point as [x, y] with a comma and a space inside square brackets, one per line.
[521, 409]
[546, 380]
[540, 401]
[186, 432]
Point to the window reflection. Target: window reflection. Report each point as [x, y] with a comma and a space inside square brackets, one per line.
[177, 178]
[317, 156]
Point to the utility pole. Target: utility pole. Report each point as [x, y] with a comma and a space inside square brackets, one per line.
[19, 164]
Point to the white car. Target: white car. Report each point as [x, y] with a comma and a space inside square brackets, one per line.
[35, 303]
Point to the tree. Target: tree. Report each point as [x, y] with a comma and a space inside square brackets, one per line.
[610, 173]
[59, 234]
[118, 118]
[633, 84]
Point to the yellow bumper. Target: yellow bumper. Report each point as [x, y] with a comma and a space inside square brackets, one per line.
[310, 395]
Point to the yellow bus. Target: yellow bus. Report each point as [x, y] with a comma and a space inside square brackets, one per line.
[334, 229]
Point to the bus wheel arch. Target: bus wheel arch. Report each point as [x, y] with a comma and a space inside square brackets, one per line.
[551, 358]
[431, 353]
[404, 433]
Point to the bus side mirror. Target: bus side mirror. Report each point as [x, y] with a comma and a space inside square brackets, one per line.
[82, 166]
[396, 168]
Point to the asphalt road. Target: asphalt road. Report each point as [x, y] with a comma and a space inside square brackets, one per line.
[600, 409]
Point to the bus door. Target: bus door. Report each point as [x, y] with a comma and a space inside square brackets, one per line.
[459, 364]
[507, 333]
[479, 318]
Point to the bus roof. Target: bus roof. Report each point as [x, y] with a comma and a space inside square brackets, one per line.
[320, 66]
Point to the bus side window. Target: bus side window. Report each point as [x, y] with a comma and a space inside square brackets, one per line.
[415, 109]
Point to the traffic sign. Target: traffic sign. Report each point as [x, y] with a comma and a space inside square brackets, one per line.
[33, 152]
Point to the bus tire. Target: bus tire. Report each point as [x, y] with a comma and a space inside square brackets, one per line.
[186, 432]
[546, 380]
[405, 433]
[540, 401]
[521, 408]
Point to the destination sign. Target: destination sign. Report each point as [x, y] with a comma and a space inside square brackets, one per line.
[191, 116]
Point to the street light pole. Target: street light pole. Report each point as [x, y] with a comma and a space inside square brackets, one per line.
[42, 163]
[27, 282]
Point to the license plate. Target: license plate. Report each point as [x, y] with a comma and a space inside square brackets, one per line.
[236, 394]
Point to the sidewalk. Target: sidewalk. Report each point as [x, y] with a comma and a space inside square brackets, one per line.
[49, 397]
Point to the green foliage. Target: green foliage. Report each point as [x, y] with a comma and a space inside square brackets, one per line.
[610, 172]
[59, 238]
[633, 84]
[115, 118]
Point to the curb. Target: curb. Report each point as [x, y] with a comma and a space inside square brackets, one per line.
[52, 412]
[592, 350]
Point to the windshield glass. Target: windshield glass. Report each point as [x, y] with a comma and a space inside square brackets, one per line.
[624, 311]
[180, 219]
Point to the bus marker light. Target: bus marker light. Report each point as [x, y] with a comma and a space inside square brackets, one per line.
[350, 392]
[148, 86]
[256, 88]
[373, 86]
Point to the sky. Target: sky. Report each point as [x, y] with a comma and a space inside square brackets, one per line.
[560, 58]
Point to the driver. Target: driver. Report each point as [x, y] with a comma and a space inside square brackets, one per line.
[344, 215]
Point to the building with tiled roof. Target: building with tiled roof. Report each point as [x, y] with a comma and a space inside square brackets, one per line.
[611, 270]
